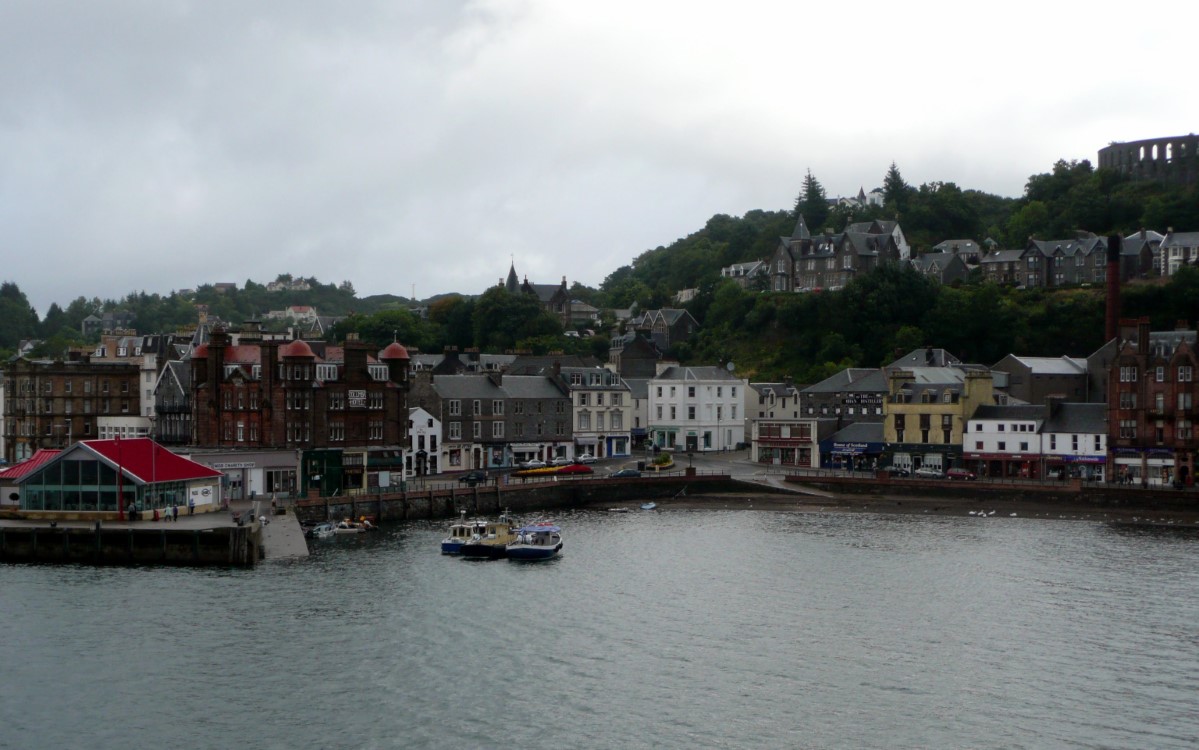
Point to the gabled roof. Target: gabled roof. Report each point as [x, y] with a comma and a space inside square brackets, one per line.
[801, 230]
[1023, 411]
[1002, 256]
[1077, 418]
[1181, 239]
[852, 380]
[143, 460]
[926, 357]
[678, 372]
[859, 432]
[1054, 365]
[19, 471]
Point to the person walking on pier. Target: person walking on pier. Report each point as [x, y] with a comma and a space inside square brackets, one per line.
[191, 506]
[175, 512]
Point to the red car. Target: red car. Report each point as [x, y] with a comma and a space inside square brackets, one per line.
[961, 474]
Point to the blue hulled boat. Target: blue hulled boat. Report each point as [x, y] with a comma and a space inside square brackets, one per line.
[461, 533]
[539, 541]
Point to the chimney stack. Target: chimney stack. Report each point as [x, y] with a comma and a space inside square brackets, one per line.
[1112, 322]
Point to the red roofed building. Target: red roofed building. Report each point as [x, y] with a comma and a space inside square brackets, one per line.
[87, 477]
[10, 475]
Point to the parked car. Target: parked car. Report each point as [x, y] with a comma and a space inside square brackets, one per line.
[625, 473]
[961, 474]
[586, 458]
[560, 461]
[928, 472]
[473, 477]
[533, 463]
[897, 471]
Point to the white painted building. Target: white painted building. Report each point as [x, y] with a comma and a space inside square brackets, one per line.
[697, 408]
[424, 436]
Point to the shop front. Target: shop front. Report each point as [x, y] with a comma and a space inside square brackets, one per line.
[1086, 468]
[1147, 467]
[1004, 465]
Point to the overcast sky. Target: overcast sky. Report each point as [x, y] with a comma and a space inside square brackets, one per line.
[419, 145]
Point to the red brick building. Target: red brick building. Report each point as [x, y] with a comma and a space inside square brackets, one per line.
[1152, 398]
[284, 395]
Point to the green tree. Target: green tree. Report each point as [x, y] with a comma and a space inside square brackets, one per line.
[19, 319]
[812, 203]
[895, 192]
[502, 319]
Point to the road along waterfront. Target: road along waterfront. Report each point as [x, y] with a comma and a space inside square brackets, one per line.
[701, 628]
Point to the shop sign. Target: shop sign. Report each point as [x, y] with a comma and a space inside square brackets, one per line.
[357, 398]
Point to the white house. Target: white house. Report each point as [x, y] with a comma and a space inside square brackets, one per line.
[697, 408]
[424, 434]
[1004, 441]
[602, 406]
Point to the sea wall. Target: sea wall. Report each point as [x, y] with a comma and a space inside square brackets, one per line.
[237, 546]
[1074, 492]
[516, 497]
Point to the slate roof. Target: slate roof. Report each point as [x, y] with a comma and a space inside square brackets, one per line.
[859, 432]
[1078, 418]
[925, 357]
[678, 372]
[852, 380]
[1023, 411]
[1054, 365]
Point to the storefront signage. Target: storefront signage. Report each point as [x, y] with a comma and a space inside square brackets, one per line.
[357, 398]
[221, 466]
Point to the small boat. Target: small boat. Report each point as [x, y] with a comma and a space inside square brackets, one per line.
[353, 527]
[492, 542]
[460, 534]
[648, 506]
[539, 541]
[618, 510]
[322, 531]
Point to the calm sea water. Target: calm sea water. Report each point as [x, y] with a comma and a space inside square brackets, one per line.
[654, 630]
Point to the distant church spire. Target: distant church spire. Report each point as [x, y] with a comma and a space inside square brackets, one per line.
[512, 285]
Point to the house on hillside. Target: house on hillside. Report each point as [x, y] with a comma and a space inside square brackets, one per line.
[944, 268]
[1178, 249]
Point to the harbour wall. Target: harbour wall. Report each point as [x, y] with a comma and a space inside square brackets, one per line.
[518, 498]
[1074, 493]
[236, 546]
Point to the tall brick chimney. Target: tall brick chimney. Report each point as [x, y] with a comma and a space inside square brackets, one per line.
[1113, 288]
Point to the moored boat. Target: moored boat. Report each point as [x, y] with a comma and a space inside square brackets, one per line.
[461, 533]
[353, 527]
[648, 506]
[539, 541]
[492, 542]
[322, 530]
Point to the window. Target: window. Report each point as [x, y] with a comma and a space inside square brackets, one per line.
[617, 421]
[659, 411]
[1128, 374]
[497, 407]
[1128, 428]
[1184, 401]
[1053, 442]
[1161, 374]
[1184, 374]
[1184, 429]
[376, 400]
[673, 413]
[1074, 443]
[455, 430]
[477, 407]
[478, 430]
[599, 421]
[691, 412]
[616, 399]
[1023, 446]
[1002, 445]
[583, 398]
[690, 391]
[241, 432]
[455, 408]
[375, 430]
[584, 420]
[1128, 400]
